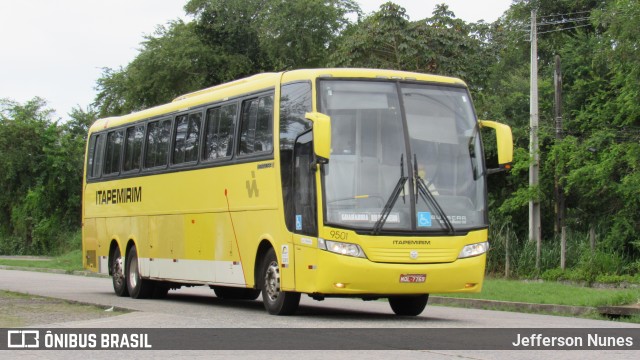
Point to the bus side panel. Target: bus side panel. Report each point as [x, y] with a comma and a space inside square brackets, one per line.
[253, 200]
[227, 260]
[306, 253]
[90, 246]
[104, 241]
[164, 231]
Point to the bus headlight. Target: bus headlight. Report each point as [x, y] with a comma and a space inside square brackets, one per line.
[341, 248]
[474, 250]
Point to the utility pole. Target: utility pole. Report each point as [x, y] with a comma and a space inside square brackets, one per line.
[557, 82]
[534, 167]
[559, 194]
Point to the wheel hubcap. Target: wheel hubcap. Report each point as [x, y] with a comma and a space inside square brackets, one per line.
[272, 281]
[118, 272]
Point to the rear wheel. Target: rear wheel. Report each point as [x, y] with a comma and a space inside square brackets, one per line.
[276, 301]
[117, 273]
[408, 305]
[139, 288]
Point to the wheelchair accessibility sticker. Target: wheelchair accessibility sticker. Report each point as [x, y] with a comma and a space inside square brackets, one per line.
[424, 219]
[298, 222]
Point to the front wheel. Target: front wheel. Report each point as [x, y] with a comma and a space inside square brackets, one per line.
[408, 305]
[276, 301]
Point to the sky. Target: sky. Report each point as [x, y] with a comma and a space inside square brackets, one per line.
[57, 49]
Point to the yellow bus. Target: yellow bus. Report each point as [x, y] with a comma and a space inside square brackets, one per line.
[327, 182]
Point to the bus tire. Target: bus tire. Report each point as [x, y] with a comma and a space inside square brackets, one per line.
[231, 293]
[139, 288]
[408, 305]
[276, 301]
[117, 273]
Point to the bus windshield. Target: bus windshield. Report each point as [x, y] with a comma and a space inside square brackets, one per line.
[404, 158]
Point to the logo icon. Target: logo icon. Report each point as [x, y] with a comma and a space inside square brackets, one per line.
[23, 339]
[252, 186]
[413, 254]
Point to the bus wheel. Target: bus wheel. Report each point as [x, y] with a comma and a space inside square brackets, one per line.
[139, 288]
[117, 273]
[230, 293]
[276, 301]
[408, 305]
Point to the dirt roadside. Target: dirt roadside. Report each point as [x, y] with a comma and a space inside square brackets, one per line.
[22, 310]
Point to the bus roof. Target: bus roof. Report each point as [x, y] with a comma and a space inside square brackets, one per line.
[261, 82]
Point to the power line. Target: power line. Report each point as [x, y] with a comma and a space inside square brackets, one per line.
[565, 21]
[542, 18]
[559, 22]
[569, 28]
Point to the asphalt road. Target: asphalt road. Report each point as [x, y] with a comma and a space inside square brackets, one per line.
[197, 307]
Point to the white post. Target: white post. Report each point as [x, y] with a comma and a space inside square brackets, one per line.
[534, 205]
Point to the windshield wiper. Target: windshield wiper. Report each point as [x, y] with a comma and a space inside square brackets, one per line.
[392, 199]
[428, 197]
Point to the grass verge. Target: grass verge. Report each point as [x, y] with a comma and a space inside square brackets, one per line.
[69, 262]
[551, 293]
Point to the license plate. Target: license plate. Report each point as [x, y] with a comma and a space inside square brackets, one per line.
[413, 278]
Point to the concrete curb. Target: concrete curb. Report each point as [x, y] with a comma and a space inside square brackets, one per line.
[513, 306]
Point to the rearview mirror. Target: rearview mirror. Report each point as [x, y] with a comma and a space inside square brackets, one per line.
[504, 140]
[321, 135]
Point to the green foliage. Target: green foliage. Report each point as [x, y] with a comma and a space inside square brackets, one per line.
[440, 44]
[172, 61]
[227, 40]
[42, 169]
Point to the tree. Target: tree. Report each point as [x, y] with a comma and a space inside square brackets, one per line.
[171, 62]
[42, 172]
[597, 162]
[26, 132]
[440, 44]
[227, 40]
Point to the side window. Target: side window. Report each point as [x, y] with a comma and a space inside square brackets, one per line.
[158, 136]
[187, 138]
[256, 133]
[94, 156]
[112, 152]
[295, 102]
[304, 187]
[133, 148]
[221, 123]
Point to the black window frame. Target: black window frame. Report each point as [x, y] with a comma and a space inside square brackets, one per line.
[107, 155]
[174, 139]
[241, 121]
[134, 127]
[95, 156]
[148, 129]
[231, 149]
